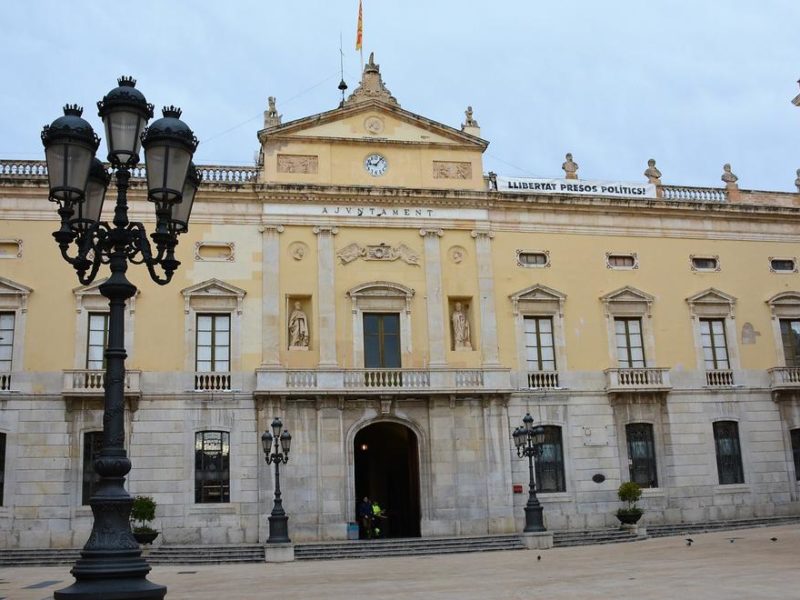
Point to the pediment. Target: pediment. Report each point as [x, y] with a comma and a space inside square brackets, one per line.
[370, 122]
[89, 297]
[627, 294]
[13, 295]
[785, 299]
[213, 287]
[538, 298]
[711, 296]
[380, 289]
[213, 294]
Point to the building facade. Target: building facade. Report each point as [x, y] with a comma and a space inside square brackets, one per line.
[401, 312]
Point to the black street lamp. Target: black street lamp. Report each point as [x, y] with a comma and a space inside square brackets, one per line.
[528, 441]
[111, 566]
[278, 454]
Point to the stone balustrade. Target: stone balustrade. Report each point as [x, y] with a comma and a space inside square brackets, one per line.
[784, 378]
[645, 379]
[719, 378]
[5, 382]
[693, 194]
[542, 380]
[90, 382]
[212, 382]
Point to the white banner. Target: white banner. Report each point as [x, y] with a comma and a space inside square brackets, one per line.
[531, 185]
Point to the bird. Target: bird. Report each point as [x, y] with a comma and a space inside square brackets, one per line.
[539, 557]
[773, 539]
[689, 541]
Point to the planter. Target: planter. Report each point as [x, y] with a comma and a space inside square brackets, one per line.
[629, 517]
[145, 537]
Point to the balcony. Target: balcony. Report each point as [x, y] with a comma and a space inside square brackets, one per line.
[654, 380]
[5, 382]
[88, 383]
[784, 379]
[381, 381]
[218, 381]
[541, 380]
[719, 378]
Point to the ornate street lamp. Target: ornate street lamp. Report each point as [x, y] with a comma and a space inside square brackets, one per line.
[278, 454]
[528, 440]
[111, 566]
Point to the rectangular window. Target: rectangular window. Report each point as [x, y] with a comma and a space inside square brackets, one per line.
[641, 454]
[630, 346]
[212, 467]
[381, 340]
[96, 341]
[790, 335]
[92, 444]
[6, 341]
[729, 454]
[796, 452]
[715, 346]
[550, 462]
[213, 343]
[3, 466]
[539, 348]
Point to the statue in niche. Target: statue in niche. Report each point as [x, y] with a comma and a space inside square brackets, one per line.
[570, 167]
[298, 328]
[461, 340]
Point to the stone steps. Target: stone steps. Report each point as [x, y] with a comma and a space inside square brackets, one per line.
[682, 528]
[406, 547]
[212, 555]
[563, 539]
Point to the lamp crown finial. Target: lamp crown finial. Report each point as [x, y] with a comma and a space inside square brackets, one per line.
[73, 109]
[171, 111]
[126, 81]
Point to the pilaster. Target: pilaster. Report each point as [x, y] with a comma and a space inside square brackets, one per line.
[326, 295]
[270, 295]
[488, 313]
[435, 307]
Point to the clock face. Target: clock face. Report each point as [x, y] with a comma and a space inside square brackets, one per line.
[376, 165]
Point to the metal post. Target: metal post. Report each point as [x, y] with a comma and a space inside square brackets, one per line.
[534, 520]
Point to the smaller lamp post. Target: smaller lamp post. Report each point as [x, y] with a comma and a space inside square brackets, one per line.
[276, 450]
[528, 440]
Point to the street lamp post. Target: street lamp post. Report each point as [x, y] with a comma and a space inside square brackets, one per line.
[276, 450]
[528, 441]
[111, 566]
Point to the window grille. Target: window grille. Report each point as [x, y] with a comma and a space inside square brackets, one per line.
[729, 454]
[550, 462]
[641, 454]
[212, 467]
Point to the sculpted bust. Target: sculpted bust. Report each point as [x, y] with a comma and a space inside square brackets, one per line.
[652, 173]
[570, 167]
[728, 177]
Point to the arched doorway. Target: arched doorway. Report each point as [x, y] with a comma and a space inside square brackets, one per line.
[387, 471]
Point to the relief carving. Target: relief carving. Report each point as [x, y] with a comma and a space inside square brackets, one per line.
[298, 163]
[380, 251]
[446, 169]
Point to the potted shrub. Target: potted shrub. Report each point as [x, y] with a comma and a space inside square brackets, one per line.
[629, 492]
[143, 512]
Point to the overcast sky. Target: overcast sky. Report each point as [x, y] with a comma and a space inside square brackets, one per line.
[691, 83]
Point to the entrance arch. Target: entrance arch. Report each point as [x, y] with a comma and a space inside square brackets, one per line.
[386, 468]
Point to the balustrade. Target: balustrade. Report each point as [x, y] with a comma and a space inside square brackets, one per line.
[5, 382]
[696, 194]
[90, 382]
[212, 382]
[719, 378]
[637, 379]
[785, 377]
[542, 380]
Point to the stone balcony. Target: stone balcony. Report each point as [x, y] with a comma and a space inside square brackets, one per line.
[279, 381]
[720, 378]
[540, 380]
[88, 383]
[652, 380]
[784, 381]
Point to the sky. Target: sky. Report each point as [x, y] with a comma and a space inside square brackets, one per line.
[693, 84]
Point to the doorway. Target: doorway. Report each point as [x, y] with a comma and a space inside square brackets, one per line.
[386, 469]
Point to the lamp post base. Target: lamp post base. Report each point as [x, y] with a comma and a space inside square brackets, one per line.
[534, 521]
[111, 588]
[278, 529]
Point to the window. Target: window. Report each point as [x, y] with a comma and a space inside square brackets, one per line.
[795, 451]
[641, 454]
[213, 343]
[550, 462]
[729, 454]
[782, 265]
[630, 347]
[212, 467]
[705, 263]
[96, 341]
[715, 347]
[533, 259]
[92, 444]
[790, 336]
[539, 349]
[621, 261]
[3, 465]
[381, 340]
[6, 341]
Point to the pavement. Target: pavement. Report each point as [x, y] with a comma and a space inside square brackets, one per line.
[751, 566]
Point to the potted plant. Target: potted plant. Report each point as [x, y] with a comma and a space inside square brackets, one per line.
[629, 492]
[143, 512]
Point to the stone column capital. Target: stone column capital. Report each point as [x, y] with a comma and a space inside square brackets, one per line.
[318, 229]
[476, 233]
[271, 228]
[431, 232]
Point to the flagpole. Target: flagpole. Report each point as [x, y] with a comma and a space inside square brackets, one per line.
[360, 34]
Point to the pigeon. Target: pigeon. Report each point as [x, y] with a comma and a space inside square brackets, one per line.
[539, 557]
[773, 539]
[689, 541]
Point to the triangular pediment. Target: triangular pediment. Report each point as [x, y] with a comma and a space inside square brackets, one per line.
[711, 296]
[213, 287]
[540, 293]
[13, 295]
[382, 289]
[92, 288]
[627, 294]
[373, 121]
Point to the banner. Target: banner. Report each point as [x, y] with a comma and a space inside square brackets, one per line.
[575, 187]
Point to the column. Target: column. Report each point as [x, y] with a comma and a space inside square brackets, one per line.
[270, 295]
[326, 295]
[433, 282]
[488, 314]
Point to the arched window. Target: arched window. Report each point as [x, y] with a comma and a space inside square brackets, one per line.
[729, 453]
[641, 454]
[212, 473]
[550, 462]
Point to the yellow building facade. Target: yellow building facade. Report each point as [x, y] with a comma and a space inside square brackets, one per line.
[401, 311]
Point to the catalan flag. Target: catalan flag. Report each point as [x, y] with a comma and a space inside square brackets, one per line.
[360, 28]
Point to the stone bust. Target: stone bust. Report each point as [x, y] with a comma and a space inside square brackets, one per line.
[728, 177]
[570, 167]
[652, 173]
[797, 181]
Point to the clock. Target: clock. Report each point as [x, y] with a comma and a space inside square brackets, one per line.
[376, 165]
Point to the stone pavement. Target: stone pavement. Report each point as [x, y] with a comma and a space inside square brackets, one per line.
[713, 567]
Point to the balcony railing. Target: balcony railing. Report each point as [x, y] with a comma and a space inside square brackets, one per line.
[719, 378]
[5, 382]
[645, 379]
[90, 382]
[784, 378]
[542, 380]
[212, 382]
[693, 194]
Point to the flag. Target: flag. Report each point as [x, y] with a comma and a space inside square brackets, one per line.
[360, 28]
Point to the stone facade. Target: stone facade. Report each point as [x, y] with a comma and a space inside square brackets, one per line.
[342, 243]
